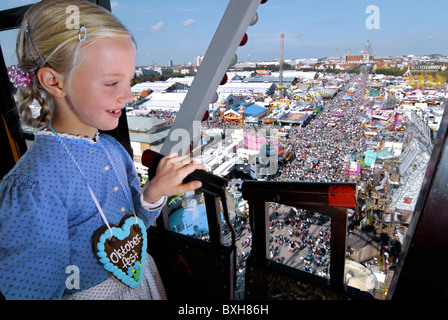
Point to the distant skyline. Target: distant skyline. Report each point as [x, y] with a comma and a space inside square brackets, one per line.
[181, 30]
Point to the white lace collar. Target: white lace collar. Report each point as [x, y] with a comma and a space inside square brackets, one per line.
[47, 132]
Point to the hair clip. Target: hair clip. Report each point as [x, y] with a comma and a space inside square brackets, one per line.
[82, 34]
[39, 60]
[19, 77]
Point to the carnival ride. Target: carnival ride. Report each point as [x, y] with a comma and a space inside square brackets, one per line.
[200, 270]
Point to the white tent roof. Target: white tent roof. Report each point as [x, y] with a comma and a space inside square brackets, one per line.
[245, 87]
[167, 101]
[358, 276]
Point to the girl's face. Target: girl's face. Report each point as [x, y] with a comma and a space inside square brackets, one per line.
[100, 86]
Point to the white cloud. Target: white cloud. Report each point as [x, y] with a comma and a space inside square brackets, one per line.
[158, 27]
[114, 4]
[188, 22]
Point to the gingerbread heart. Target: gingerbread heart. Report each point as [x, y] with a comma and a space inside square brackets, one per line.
[123, 254]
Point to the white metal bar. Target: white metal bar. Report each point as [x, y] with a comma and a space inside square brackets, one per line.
[217, 59]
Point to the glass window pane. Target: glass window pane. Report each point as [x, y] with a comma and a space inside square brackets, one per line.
[8, 41]
[300, 239]
[10, 4]
[188, 215]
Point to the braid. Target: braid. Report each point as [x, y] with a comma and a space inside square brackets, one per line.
[26, 97]
[45, 110]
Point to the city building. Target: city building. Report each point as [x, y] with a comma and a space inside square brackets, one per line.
[146, 133]
[363, 58]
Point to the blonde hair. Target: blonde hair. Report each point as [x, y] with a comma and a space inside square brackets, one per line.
[46, 38]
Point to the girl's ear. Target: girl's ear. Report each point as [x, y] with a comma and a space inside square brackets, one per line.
[52, 81]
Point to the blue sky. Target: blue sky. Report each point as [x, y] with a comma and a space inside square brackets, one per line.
[180, 30]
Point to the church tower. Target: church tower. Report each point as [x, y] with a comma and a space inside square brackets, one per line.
[366, 52]
[222, 109]
[241, 120]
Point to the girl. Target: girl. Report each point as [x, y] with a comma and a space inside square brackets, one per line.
[74, 183]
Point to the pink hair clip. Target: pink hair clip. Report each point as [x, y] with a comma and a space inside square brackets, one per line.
[19, 77]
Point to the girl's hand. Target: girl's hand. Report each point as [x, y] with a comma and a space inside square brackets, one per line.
[170, 173]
